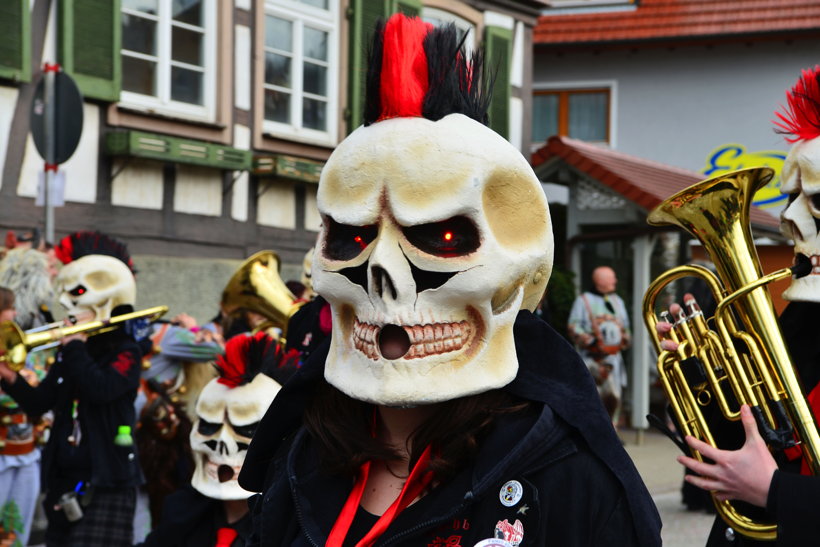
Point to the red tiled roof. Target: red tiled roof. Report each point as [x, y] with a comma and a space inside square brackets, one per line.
[679, 19]
[644, 182]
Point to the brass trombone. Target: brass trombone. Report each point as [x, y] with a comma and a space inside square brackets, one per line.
[15, 343]
[744, 360]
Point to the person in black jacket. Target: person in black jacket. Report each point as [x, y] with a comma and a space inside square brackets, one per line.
[440, 411]
[90, 469]
[779, 483]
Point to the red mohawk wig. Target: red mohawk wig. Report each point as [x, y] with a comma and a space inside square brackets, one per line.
[801, 119]
[417, 70]
[404, 67]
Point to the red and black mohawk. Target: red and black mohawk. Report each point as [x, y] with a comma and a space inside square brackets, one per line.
[801, 119]
[247, 355]
[417, 70]
[80, 244]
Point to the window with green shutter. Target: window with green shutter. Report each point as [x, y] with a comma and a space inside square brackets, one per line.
[498, 47]
[407, 7]
[15, 44]
[89, 46]
[363, 17]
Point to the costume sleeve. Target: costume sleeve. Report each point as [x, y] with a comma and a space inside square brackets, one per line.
[578, 321]
[180, 343]
[625, 317]
[793, 500]
[35, 400]
[102, 384]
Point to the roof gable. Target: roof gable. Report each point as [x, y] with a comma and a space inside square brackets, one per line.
[679, 19]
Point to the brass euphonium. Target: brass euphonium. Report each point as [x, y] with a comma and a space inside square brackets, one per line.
[15, 343]
[742, 359]
[256, 286]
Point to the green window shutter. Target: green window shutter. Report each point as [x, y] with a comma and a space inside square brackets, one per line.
[408, 7]
[15, 41]
[89, 46]
[363, 17]
[498, 46]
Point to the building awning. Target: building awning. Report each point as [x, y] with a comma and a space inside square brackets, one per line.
[643, 182]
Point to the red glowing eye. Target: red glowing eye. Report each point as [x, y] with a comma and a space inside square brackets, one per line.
[448, 236]
[81, 291]
[360, 241]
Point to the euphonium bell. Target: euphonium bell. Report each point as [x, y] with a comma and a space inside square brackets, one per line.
[256, 286]
[742, 358]
[15, 343]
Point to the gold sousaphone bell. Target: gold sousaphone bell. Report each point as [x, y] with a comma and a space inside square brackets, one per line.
[15, 343]
[257, 286]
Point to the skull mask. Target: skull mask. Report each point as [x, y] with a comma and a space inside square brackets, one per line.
[225, 422]
[435, 234]
[800, 180]
[95, 283]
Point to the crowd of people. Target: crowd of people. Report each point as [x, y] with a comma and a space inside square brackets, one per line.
[416, 401]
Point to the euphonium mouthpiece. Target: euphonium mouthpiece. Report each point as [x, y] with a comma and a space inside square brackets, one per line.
[802, 266]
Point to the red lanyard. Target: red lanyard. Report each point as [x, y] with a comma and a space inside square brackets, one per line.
[416, 483]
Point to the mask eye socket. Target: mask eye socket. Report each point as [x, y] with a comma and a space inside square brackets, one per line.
[207, 428]
[345, 241]
[456, 236]
[245, 430]
[79, 290]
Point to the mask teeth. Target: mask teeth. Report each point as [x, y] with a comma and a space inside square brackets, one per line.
[425, 340]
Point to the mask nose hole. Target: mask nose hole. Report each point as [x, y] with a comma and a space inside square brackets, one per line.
[382, 282]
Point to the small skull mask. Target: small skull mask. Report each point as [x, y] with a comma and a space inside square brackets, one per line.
[96, 284]
[800, 220]
[435, 234]
[226, 419]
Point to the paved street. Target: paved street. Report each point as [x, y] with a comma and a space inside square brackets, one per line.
[655, 460]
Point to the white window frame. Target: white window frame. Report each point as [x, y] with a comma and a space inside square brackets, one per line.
[162, 102]
[460, 23]
[612, 85]
[327, 21]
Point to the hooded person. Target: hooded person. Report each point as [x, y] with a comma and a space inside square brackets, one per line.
[89, 467]
[440, 412]
[778, 485]
[24, 276]
[212, 509]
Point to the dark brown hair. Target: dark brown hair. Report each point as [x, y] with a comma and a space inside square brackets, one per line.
[6, 299]
[342, 427]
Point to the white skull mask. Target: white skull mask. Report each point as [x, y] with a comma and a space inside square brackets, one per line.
[800, 220]
[97, 284]
[434, 235]
[226, 420]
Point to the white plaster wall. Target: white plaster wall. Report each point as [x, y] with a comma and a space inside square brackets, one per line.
[80, 169]
[313, 221]
[243, 4]
[239, 197]
[277, 204]
[516, 121]
[138, 183]
[8, 100]
[198, 190]
[517, 68]
[675, 106]
[242, 67]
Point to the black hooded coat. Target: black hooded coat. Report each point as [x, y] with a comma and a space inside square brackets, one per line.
[576, 484]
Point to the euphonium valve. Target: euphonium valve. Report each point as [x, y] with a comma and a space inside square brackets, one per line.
[738, 356]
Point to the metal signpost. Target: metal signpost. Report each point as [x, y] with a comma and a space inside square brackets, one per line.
[56, 127]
